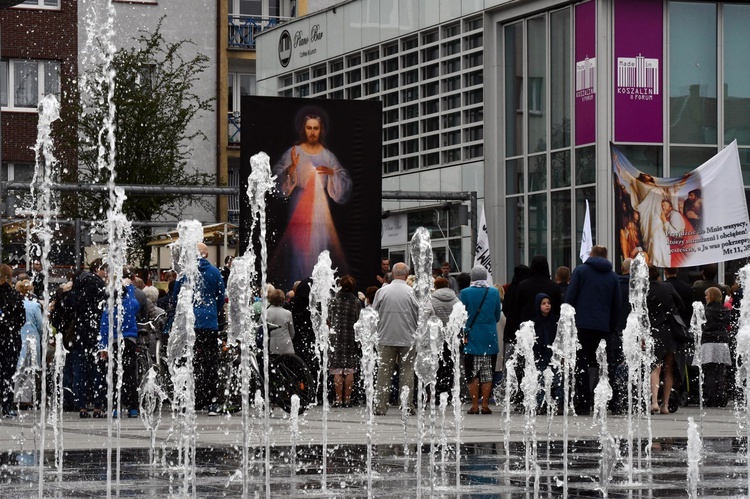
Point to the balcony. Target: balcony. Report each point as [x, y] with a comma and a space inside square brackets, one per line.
[243, 29]
[234, 128]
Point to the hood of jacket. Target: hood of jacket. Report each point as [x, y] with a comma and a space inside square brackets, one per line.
[599, 264]
[539, 267]
[538, 303]
[444, 294]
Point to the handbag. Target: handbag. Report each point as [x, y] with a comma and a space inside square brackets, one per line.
[467, 329]
[680, 331]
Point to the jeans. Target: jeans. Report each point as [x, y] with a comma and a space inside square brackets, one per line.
[88, 384]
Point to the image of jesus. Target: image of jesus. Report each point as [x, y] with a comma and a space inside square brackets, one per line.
[311, 177]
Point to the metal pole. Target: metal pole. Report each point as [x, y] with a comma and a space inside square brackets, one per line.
[473, 203]
[78, 243]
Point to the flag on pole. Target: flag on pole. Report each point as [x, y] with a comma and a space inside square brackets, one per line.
[482, 251]
[586, 240]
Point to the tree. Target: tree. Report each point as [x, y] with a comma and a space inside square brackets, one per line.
[155, 104]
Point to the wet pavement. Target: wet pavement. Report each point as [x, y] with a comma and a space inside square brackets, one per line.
[484, 470]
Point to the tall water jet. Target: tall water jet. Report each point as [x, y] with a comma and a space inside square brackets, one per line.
[151, 399]
[694, 452]
[696, 330]
[366, 333]
[453, 334]
[564, 350]
[638, 347]
[43, 208]
[404, 398]
[742, 374]
[323, 288]
[602, 396]
[551, 405]
[443, 435]
[180, 348]
[511, 388]
[242, 325]
[420, 249]
[429, 349]
[525, 340]
[294, 433]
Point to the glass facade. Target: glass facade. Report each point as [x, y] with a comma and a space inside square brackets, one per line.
[543, 171]
[548, 180]
[431, 86]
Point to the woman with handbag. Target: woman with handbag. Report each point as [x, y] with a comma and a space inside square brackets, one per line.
[662, 301]
[715, 355]
[482, 303]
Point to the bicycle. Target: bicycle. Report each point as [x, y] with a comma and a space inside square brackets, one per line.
[288, 375]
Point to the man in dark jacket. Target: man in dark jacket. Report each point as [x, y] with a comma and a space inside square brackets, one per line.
[683, 289]
[594, 292]
[12, 318]
[86, 302]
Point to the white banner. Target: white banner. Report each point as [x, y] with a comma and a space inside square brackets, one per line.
[695, 219]
[586, 239]
[482, 254]
[393, 230]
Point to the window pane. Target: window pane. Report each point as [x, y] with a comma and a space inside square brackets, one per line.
[560, 170]
[692, 70]
[685, 159]
[25, 85]
[586, 165]
[513, 89]
[273, 8]
[648, 159]
[247, 84]
[582, 195]
[745, 165]
[251, 7]
[4, 83]
[514, 176]
[515, 227]
[52, 3]
[538, 224]
[537, 173]
[23, 172]
[560, 65]
[52, 78]
[455, 257]
[230, 91]
[536, 97]
[736, 73]
[560, 226]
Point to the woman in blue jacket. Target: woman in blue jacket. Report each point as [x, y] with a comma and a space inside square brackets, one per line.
[482, 303]
[130, 309]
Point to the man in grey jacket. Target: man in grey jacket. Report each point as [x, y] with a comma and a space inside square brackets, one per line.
[398, 310]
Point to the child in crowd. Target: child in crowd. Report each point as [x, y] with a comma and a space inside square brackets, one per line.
[545, 326]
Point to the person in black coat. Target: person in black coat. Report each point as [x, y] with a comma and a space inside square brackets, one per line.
[12, 319]
[511, 305]
[304, 335]
[662, 300]
[538, 282]
[683, 289]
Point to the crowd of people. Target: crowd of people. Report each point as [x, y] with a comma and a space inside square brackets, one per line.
[78, 312]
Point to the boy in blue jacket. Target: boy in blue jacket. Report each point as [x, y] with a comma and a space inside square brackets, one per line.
[130, 309]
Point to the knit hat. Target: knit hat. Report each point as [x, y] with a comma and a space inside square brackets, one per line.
[478, 273]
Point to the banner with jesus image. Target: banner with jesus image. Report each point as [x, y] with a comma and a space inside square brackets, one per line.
[686, 221]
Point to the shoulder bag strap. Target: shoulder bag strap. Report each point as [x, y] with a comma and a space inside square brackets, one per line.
[486, 290]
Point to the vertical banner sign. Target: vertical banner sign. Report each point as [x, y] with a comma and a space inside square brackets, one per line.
[585, 48]
[695, 219]
[482, 255]
[326, 156]
[587, 243]
[639, 61]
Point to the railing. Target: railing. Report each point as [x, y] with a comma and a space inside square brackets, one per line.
[243, 29]
[234, 128]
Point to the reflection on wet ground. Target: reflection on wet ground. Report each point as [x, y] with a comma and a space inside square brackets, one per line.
[724, 473]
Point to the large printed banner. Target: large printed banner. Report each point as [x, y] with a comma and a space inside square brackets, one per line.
[692, 220]
[326, 156]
